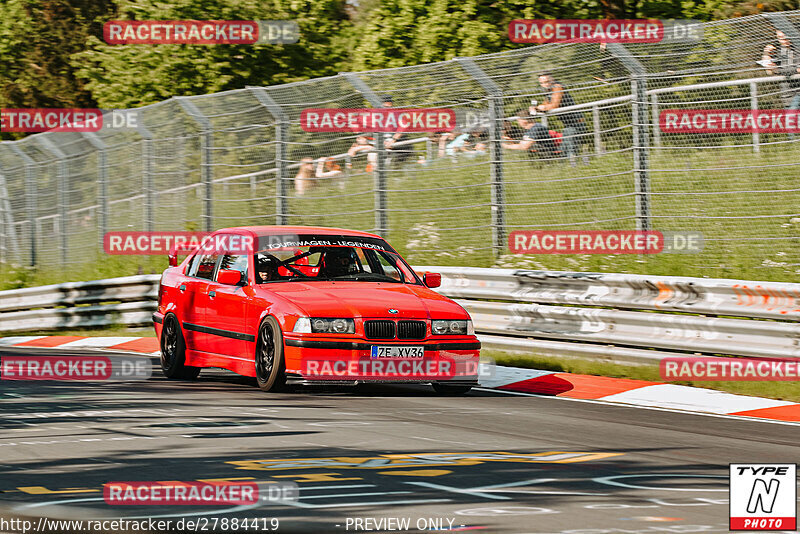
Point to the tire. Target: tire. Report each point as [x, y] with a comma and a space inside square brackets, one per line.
[173, 351]
[270, 366]
[447, 389]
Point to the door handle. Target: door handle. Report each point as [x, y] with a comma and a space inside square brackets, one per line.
[182, 288]
[212, 293]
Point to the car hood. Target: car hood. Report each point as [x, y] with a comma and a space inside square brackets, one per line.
[366, 299]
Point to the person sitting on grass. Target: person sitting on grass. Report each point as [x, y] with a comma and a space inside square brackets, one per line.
[536, 139]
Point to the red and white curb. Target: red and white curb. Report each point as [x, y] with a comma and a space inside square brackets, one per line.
[512, 379]
[146, 345]
[640, 393]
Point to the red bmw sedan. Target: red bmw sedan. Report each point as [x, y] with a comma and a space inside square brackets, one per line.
[308, 305]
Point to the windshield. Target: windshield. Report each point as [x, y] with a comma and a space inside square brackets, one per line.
[330, 258]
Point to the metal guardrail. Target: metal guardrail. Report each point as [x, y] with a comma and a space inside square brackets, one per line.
[618, 316]
[128, 300]
[710, 296]
[624, 316]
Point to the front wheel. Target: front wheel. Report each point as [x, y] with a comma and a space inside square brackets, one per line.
[270, 367]
[173, 351]
[449, 389]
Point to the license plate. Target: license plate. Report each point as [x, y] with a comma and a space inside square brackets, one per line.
[397, 352]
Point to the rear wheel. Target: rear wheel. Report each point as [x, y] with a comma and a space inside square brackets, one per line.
[449, 389]
[173, 351]
[270, 367]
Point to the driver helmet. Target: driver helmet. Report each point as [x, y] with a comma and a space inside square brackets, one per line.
[267, 268]
[340, 261]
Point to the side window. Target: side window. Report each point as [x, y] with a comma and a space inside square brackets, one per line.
[205, 268]
[192, 270]
[388, 268]
[363, 259]
[234, 263]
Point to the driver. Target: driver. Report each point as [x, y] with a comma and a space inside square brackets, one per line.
[339, 261]
[266, 269]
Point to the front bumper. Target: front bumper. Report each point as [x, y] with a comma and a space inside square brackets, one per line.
[340, 361]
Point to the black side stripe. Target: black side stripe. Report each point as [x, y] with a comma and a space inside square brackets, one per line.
[345, 345]
[219, 332]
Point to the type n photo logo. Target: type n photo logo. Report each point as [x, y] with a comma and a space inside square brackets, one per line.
[763, 497]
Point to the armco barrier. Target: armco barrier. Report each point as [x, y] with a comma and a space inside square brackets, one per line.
[129, 300]
[618, 316]
[767, 300]
[625, 316]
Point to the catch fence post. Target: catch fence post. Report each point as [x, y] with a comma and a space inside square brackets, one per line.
[31, 200]
[102, 183]
[206, 160]
[496, 116]
[281, 153]
[641, 132]
[380, 182]
[62, 173]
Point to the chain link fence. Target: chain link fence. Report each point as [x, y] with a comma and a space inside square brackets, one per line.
[241, 158]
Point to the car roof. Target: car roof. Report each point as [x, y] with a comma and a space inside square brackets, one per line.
[273, 230]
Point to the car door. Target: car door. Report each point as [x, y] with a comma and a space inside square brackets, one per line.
[226, 312]
[195, 298]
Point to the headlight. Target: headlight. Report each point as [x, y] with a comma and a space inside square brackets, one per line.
[302, 326]
[324, 326]
[454, 327]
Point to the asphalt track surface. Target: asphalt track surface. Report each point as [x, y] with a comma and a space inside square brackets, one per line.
[557, 466]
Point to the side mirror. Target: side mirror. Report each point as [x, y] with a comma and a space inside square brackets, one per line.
[173, 258]
[432, 279]
[229, 277]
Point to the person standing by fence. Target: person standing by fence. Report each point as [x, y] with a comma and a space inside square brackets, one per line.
[785, 63]
[574, 123]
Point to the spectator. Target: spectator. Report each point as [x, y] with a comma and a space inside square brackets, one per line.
[305, 176]
[326, 168]
[574, 123]
[536, 139]
[364, 144]
[434, 139]
[512, 131]
[396, 153]
[478, 141]
[785, 63]
[452, 142]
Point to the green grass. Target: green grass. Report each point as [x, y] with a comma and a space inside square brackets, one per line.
[439, 214]
[788, 391]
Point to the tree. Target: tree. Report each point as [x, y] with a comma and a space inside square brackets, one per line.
[121, 76]
[37, 38]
